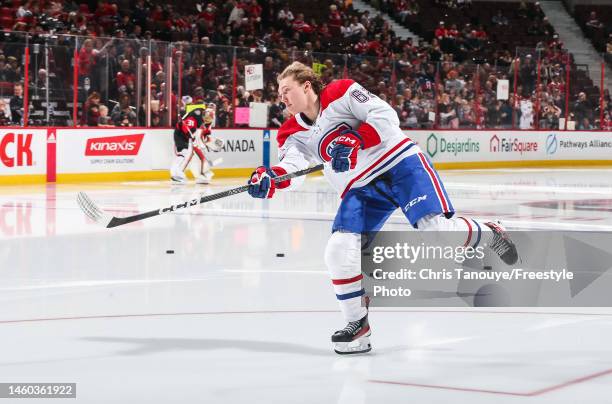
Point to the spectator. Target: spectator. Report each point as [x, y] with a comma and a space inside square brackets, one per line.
[585, 124]
[550, 116]
[122, 111]
[582, 108]
[357, 27]
[593, 21]
[237, 14]
[3, 67]
[91, 110]
[16, 104]
[499, 19]
[527, 113]
[346, 30]
[440, 32]
[125, 77]
[335, 17]
[275, 118]
[12, 70]
[87, 61]
[223, 115]
[104, 120]
[4, 118]
[528, 74]
[505, 114]
[285, 14]
[125, 119]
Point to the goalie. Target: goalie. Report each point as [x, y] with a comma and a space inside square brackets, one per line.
[205, 142]
[193, 134]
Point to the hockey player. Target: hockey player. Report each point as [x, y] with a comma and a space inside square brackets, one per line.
[204, 142]
[375, 168]
[185, 133]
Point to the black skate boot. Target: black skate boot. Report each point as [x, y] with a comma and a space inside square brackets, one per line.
[353, 338]
[501, 244]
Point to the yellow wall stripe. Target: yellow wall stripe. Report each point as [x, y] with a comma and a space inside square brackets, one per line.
[22, 179]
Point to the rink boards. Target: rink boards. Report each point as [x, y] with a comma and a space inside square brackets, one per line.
[29, 155]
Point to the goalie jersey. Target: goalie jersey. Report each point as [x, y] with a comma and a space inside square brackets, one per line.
[344, 105]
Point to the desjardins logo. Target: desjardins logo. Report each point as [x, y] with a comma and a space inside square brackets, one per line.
[454, 147]
[432, 145]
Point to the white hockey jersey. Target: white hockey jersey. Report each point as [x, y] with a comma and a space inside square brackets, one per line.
[344, 105]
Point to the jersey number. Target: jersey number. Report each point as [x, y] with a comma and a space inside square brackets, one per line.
[359, 96]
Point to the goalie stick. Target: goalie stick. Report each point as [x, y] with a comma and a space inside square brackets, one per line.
[89, 207]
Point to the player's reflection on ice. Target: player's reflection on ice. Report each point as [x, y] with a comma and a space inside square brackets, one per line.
[147, 346]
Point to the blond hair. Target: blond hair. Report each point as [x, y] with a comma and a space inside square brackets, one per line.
[302, 73]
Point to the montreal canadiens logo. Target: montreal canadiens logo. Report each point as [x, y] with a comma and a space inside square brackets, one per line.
[328, 141]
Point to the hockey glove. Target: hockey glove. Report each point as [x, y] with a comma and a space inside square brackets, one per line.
[344, 152]
[261, 184]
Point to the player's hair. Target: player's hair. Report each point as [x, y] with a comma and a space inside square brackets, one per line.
[302, 73]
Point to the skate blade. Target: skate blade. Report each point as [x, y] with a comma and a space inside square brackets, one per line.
[359, 346]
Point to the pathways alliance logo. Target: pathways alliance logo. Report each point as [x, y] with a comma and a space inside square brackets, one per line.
[454, 147]
[552, 144]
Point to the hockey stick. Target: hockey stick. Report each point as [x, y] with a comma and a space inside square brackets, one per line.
[89, 207]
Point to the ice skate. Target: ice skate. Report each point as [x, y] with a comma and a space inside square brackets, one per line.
[176, 180]
[354, 338]
[205, 178]
[501, 244]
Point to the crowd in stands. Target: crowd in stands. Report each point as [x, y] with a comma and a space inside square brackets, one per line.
[449, 82]
[596, 23]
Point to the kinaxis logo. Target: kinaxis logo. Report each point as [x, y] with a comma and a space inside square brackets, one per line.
[453, 147]
[125, 145]
[20, 145]
[509, 145]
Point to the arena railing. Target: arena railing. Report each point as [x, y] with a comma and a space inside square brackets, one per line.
[78, 81]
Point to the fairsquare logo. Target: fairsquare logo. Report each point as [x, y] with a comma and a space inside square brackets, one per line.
[125, 145]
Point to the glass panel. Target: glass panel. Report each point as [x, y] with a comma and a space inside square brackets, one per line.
[550, 95]
[54, 88]
[207, 77]
[412, 89]
[584, 97]
[127, 78]
[11, 78]
[527, 82]
[605, 102]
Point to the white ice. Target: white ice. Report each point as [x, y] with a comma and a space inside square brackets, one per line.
[224, 320]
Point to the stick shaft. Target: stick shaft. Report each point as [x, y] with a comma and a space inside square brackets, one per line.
[119, 221]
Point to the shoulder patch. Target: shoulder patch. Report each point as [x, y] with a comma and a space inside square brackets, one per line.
[288, 128]
[334, 90]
